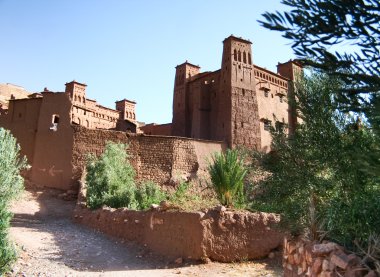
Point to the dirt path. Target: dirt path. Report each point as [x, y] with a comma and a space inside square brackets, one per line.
[50, 244]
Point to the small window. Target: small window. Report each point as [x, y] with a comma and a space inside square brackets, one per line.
[266, 93]
[243, 90]
[281, 98]
[267, 125]
[239, 56]
[249, 58]
[55, 119]
[235, 55]
[244, 57]
[280, 126]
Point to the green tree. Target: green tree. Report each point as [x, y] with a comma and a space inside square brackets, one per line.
[227, 172]
[11, 184]
[341, 37]
[316, 175]
[110, 179]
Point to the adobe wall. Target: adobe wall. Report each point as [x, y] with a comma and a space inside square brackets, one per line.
[51, 165]
[157, 158]
[220, 236]
[157, 129]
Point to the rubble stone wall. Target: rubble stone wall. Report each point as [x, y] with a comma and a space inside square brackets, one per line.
[327, 259]
[161, 159]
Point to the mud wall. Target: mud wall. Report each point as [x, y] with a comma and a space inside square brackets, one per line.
[161, 159]
[223, 236]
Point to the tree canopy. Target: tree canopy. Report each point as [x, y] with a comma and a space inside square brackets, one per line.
[341, 37]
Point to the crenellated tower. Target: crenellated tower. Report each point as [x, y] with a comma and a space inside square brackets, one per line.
[237, 107]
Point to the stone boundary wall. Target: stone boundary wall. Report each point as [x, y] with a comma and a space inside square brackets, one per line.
[225, 236]
[328, 259]
[161, 159]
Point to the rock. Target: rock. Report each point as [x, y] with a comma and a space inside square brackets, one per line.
[353, 259]
[291, 247]
[179, 261]
[220, 208]
[299, 270]
[323, 249]
[317, 266]
[340, 260]
[325, 265]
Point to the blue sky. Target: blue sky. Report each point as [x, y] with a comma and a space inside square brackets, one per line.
[127, 49]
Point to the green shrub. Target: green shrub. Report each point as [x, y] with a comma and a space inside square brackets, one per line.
[149, 193]
[11, 184]
[110, 179]
[227, 173]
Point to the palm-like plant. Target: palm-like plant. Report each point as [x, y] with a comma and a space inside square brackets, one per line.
[227, 172]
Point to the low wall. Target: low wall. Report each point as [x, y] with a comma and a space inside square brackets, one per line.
[305, 258]
[219, 235]
[157, 158]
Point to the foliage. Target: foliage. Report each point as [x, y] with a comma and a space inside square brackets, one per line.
[227, 173]
[341, 37]
[318, 168]
[110, 179]
[11, 184]
[149, 193]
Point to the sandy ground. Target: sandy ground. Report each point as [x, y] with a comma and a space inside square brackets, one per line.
[50, 244]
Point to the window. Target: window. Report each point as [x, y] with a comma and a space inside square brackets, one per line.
[280, 126]
[244, 57]
[281, 98]
[266, 93]
[55, 119]
[235, 55]
[249, 58]
[267, 124]
[243, 90]
[239, 56]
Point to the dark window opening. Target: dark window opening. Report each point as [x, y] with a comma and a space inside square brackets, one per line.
[235, 55]
[243, 90]
[239, 56]
[280, 126]
[249, 58]
[55, 119]
[244, 57]
[267, 125]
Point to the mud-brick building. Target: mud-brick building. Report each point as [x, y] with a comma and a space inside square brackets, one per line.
[237, 103]
[42, 123]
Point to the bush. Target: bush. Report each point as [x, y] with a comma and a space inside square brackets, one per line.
[149, 193]
[11, 184]
[110, 179]
[227, 176]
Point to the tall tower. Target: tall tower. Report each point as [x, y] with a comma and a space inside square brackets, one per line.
[181, 122]
[126, 109]
[238, 109]
[76, 91]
